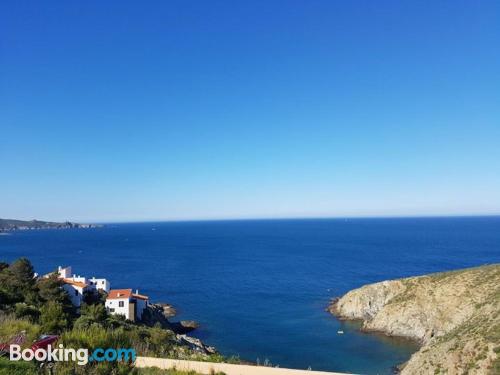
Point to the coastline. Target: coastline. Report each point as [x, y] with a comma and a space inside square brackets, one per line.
[11, 225]
[453, 316]
[181, 264]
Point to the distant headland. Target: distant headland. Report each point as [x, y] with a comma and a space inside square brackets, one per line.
[13, 225]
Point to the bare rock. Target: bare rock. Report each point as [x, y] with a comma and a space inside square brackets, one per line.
[454, 315]
[168, 310]
[196, 344]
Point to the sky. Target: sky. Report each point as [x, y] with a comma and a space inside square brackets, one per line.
[179, 110]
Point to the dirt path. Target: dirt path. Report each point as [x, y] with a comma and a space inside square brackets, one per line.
[228, 369]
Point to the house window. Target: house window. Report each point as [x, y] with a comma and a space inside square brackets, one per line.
[112, 310]
[120, 304]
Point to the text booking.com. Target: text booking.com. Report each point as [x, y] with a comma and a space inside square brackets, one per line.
[80, 356]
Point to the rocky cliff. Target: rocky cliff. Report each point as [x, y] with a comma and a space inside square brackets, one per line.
[454, 315]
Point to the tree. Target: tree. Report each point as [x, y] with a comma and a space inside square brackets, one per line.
[6, 299]
[16, 282]
[93, 297]
[23, 273]
[53, 318]
[160, 340]
[83, 322]
[91, 315]
[22, 310]
[96, 313]
[50, 289]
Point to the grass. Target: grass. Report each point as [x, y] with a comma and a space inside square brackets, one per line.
[8, 367]
[11, 326]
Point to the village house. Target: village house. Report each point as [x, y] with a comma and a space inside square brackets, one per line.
[93, 283]
[75, 290]
[118, 301]
[77, 285]
[99, 284]
[74, 285]
[124, 302]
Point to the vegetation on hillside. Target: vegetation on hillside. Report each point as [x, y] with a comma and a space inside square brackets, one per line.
[38, 306]
[454, 315]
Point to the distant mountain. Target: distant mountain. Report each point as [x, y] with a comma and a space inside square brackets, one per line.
[9, 225]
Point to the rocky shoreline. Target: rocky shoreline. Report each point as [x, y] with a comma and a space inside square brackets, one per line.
[161, 313]
[454, 316]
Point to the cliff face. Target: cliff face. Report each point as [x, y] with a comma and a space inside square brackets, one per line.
[454, 315]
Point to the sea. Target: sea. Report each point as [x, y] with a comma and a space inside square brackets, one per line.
[259, 288]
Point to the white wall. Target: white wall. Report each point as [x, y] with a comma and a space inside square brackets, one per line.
[100, 284]
[64, 272]
[75, 294]
[113, 307]
[79, 279]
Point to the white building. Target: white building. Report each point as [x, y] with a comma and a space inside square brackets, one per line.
[74, 285]
[77, 285]
[64, 272]
[93, 284]
[99, 284]
[124, 302]
[75, 290]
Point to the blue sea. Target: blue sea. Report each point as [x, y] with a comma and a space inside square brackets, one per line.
[259, 288]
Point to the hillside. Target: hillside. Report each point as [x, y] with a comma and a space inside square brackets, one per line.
[10, 224]
[32, 307]
[454, 315]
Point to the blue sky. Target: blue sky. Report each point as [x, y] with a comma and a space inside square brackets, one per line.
[122, 110]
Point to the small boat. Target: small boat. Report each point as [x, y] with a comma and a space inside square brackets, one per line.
[340, 332]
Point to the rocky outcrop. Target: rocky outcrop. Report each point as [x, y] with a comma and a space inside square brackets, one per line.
[167, 309]
[454, 315]
[196, 344]
[189, 325]
[159, 313]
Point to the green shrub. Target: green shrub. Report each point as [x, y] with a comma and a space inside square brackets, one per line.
[96, 313]
[11, 326]
[22, 310]
[16, 368]
[53, 318]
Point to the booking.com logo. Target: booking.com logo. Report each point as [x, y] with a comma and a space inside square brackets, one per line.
[62, 354]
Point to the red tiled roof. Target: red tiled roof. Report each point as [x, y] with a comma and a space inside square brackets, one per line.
[140, 296]
[75, 283]
[119, 293]
[125, 293]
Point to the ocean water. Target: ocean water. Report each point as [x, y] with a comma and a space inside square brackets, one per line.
[259, 288]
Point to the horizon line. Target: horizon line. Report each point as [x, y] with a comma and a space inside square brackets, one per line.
[263, 218]
[347, 217]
